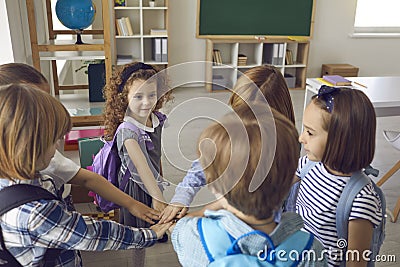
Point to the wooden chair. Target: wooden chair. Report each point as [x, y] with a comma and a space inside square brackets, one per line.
[393, 138]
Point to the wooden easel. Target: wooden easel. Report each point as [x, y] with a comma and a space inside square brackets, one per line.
[386, 177]
[52, 46]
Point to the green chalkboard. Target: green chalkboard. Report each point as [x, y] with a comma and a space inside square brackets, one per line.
[255, 17]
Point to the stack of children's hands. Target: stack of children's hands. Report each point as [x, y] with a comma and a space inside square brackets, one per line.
[167, 218]
[173, 212]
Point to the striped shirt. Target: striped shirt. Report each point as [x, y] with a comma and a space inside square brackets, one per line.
[317, 202]
[30, 229]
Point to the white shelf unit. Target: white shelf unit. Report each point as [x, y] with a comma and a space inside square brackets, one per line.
[257, 53]
[143, 18]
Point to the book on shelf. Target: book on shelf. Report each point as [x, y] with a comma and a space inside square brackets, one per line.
[217, 59]
[124, 59]
[158, 32]
[121, 27]
[336, 80]
[118, 27]
[289, 57]
[124, 26]
[242, 60]
[129, 25]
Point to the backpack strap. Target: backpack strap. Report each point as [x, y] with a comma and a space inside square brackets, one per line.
[217, 242]
[289, 204]
[16, 195]
[132, 127]
[12, 197]
[214, 238]
[161, 117]
[357, 182]
[299, 241]
[306, 168]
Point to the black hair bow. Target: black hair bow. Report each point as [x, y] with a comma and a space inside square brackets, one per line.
[128, 72]
[326, 92]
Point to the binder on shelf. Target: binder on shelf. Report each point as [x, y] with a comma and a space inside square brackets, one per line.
[164, 49]
[275, 54]
[156, 55]
[281, 54]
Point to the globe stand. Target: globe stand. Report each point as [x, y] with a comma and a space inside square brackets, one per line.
[78, 36]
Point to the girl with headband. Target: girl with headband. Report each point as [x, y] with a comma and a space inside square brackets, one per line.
[134, 94]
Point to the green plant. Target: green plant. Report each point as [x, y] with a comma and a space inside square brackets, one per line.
[86, 63]
[120, 3]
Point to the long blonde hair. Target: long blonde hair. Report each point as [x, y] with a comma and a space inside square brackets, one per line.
[31, 121]
[266, 81]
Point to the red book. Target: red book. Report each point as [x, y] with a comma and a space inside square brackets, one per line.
[336, 80]
[73, 136]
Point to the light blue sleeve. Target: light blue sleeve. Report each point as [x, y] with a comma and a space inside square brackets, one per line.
[187, 245]
[190, 185]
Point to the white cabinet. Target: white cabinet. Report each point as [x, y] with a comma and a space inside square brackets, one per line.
[140, 44]
[236, 56]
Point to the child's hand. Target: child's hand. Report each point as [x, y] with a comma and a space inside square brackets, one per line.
[159, 205]
[173, 210]
[144, 212]
[161, 228]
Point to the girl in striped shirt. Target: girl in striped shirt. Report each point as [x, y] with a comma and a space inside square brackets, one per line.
[339, 134]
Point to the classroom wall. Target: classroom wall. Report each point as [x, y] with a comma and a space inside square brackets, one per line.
[6, 55]
[330, 43]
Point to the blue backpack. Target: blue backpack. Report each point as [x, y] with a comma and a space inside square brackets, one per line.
[223, 250]
[357, 182]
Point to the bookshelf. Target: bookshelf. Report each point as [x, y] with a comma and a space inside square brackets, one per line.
[53, 50]
[141, 45]
[273, 51]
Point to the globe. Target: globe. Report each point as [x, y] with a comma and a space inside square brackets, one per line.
[76, 14]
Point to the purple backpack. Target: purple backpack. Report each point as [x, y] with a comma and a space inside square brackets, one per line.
[107, 163]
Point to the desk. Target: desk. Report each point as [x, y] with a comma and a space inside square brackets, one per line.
[86, 116]
[83, 112]
[384, 93]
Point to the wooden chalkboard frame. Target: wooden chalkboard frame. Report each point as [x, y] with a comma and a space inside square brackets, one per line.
[255, 35]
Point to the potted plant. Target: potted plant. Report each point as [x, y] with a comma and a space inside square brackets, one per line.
[120, 3]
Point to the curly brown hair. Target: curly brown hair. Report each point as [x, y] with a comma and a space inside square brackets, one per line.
[116, 92]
